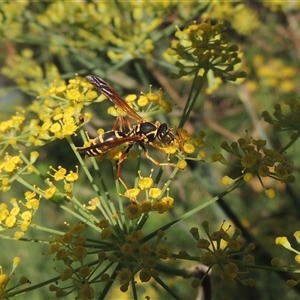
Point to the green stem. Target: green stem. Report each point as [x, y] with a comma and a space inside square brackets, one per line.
[290, 143]
[192, 97]
[167, 288]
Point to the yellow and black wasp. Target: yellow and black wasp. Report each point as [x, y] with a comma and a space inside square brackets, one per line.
[142, 132]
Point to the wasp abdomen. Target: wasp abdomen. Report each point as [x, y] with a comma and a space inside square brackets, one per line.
[101, 143]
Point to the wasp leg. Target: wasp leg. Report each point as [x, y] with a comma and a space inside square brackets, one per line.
[153, 160]
[122, 158]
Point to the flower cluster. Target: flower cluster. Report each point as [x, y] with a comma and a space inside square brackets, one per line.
[5, 290]
[147, 104]
[283, 121]
[14, 167]
[203, 49]
[20, 215]
[29, 75]
[98, 24]
[243, 19]
[121, 257]
[221, 250]
[280, 5]
[283, 241]
[273, 74]
[255, 160]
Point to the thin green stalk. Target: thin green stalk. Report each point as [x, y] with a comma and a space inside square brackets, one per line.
[192, 97]
[167, 288]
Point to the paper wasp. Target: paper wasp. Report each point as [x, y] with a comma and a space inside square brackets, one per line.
[123, 132]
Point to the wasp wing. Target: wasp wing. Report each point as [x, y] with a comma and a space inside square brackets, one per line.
[99, 148]
[113, 96]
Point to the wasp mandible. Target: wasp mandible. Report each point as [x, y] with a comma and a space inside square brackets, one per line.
[142, 132]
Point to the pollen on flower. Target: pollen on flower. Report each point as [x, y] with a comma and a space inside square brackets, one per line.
[126, 249]
[10, 221]
[160, 207]
[91, 95]
[201, 154]
[130, 98]
[146, 206]
[142, 101]
[226, 180]
[104, 223]
[163, 252]
[291, 283]
[71, 176]
[283, 241]
[135, 236]
[69, 127]
[32, 204]
[74, 95]
[146, 250]
[18, 234]
[133, 211]
[3, 280]
[145, 275]
[132, 193]
[114, 154]
[59, 174]
[155, 193]
[145, 183]
[247, 177]
[182, 164]
[188, 148]
[297, 258]
[297, 236]
[124, 275]
[106, 233]
[270, 193]
[168, 201]
[56, 127]
[10, 163]
[49, 193]
[33, 156]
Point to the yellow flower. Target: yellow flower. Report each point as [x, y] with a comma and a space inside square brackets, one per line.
[248, 177]
[50, 191]
[146, 206]
[73, 94]
[188, 148]
[10, 221]
[71, 177]
[124, 275]
[135, 236]
[283, 241]
[270, 193]
[145, 275]
[127, 249]
[155, 193]
[60, 174]
[168, 201]
[104, 223]
[227, 180]
[132, 193]
[163, 252]
[145, 183]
